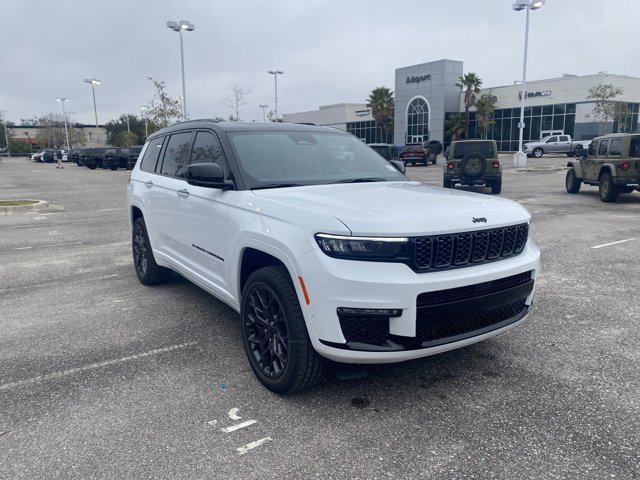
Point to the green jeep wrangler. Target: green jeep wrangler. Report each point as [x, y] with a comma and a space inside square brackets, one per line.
[612, 162]
[473, 162]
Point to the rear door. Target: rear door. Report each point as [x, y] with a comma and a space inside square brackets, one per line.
[564, 144]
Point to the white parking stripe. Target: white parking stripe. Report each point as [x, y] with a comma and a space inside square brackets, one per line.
[238, 426]
[250, 446]
[233, 414]
[615, 243]
[93, 366]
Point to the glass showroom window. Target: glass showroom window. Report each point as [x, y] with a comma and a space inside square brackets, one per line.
[369, 133]
[417, 120]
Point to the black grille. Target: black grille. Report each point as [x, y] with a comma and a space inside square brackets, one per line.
[364, 328]
[467, 248]
[429, 299]
[433, 327]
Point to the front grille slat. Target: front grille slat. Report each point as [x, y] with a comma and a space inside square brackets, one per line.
[468, 248]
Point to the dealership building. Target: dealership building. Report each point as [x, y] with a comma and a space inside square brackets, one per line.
[426, 95]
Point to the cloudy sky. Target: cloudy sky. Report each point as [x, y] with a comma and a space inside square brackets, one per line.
[332, 51]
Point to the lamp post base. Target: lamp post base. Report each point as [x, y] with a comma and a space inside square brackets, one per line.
[519, 159]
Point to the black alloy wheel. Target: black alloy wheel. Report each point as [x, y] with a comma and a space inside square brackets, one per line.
[147, 270]
[266, 330]
[140, 251]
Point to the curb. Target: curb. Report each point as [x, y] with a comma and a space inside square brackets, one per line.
[16, 209]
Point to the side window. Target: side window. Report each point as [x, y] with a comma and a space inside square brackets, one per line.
[616, 147]
[148, 163]
[394, 152]
[602, 150]
[593, 148]
[175, 155]
[552, 139]
[634, 147]
[207, 149]
[564, 138]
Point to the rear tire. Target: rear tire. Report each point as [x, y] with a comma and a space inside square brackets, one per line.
[572, 183]
[274, 333]
[147, 270]
[113, 168]
[496, 186]
[609, 192]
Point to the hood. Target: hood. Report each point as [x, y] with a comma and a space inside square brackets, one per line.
[401, 208]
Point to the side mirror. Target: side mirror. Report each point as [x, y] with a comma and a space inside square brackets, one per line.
[210, 175]
[399, 165]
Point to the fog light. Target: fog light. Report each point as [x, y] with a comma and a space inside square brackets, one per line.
[378, 312]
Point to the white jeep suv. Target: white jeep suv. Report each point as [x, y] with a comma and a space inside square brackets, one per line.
[326, 249]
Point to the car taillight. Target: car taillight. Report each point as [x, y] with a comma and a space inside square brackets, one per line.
[450, 165]
[496, 164]
[625, 166]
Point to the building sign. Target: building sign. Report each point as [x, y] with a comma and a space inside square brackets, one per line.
[543, 93]
[418, 78]
[363, 113]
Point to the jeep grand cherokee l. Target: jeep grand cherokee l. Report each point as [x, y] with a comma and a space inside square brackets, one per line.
[324, 248]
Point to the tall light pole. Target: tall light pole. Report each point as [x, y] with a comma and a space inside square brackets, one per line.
[6, 135]
[520, 158]
[62, 101]
[275, 74]
[263, 107]
[182, 25]
[143, 110]
[93, 82]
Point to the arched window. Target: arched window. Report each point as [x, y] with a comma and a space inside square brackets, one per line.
[418, 120]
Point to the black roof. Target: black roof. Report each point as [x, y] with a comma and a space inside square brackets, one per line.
[223, 127]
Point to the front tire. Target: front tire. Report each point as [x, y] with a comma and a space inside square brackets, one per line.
[147, 270]
[609, 192]
[538, 152]
[274, 333]
[572, 183]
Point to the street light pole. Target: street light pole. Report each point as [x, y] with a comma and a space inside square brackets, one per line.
[143, 109]
[183, 25]
[520, 158]
[93, 82]
[263, 107]
[275, 74]
[63, 100]
[6, 135]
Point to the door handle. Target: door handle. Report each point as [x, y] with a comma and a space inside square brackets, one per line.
[148, 184]
[183, 192]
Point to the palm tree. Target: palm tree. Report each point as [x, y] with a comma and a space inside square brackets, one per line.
[486, 106]
[381, 102]
[470, 83]
[455, 126]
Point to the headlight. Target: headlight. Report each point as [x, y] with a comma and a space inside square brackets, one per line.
[363, 248]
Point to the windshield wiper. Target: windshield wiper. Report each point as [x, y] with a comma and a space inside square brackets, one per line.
[361, 180]
[276, 185]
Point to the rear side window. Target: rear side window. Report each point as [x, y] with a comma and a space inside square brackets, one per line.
[602, 150]
[460, 150]
[616, 147]
[634, 147]
[148, 163]
[207, 149]
[564, 138]
[175, 155]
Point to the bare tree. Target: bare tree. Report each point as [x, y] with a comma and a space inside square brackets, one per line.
[604, 108]
[236, 99]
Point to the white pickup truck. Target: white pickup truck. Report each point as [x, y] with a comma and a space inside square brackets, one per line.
[554, 144]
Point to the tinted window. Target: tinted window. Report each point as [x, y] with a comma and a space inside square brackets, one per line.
[148, 163]
[564, 138]
[634, 147]
[602, 150]
[175, 155]
[207, 149]
[552, 139]
[394, 152]
[460, 150]
[616, 147]
[593, 146]
[382, 151]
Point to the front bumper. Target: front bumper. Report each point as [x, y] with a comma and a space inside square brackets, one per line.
[334, 283]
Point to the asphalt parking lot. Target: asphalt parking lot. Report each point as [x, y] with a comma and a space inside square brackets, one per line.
[102, 377]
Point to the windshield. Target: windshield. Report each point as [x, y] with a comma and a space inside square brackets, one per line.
[464, 148]
[307, 158]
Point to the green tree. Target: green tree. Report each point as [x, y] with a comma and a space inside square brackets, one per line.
[604, 107]
[271, 116]
[381, 103]
[470, 84]
[456, 126]
[116, 130]
[163, 110]
[486, 107]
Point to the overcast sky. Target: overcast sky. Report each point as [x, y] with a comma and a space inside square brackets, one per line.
[331, 51]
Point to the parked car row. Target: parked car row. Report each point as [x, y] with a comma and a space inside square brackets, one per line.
[109, 157]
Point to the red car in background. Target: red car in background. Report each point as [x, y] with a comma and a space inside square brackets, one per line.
[421, 152]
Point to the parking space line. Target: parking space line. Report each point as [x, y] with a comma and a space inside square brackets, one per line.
[47, 246]
[233, 414]
[238, 426]
[250, 446]
[615, 243]
[93, 366]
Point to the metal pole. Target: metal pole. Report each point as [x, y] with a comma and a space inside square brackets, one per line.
[128, 129]
[524, 86]
[184, 90]
[6, 138]
[275, 77]
[66, 132]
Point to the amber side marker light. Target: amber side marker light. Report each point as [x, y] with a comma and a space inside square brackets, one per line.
[304, 290]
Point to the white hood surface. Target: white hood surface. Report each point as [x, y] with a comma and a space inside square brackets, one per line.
[399, 208]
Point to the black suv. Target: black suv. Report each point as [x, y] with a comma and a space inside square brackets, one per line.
[133, 156]
[115, 158]
[92, 157]
[74, 156]
[48, 155]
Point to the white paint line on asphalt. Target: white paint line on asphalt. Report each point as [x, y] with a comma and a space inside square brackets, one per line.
[250, 446]
[47, 246]
[238, 426]
[233, 414]
[93, 366]
[615, 243]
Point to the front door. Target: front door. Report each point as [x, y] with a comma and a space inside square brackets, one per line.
[551, 145]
